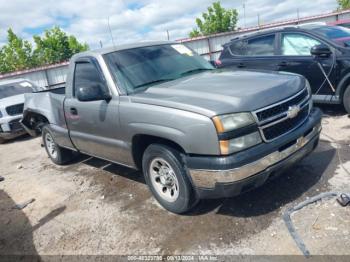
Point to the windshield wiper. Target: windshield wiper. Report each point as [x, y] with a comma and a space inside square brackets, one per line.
[197, 70]
[154, 82]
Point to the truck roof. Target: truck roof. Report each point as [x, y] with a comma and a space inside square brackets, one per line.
[107, 50]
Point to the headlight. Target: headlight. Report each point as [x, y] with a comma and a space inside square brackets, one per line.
[308, 87]
[231, 122]
[309, 91]
[240, 143]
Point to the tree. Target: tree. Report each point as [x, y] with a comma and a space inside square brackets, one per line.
[16, 54]
[53, 47]
[216, 20]
[56, 46]
[343, 4]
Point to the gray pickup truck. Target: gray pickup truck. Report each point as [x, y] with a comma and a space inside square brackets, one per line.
[195, 131]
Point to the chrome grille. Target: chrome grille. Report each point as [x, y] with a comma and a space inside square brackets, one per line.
[281, 118]
[281, 108]
[15, 110]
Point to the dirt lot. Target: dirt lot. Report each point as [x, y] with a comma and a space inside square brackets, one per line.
[94, 207]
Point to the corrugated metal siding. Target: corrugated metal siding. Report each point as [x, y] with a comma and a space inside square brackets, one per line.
[48, 78]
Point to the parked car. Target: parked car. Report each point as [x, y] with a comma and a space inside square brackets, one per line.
[11, 107]
[319, 52]
[194, 131]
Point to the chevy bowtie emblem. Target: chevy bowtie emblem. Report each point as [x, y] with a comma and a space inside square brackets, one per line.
[293, 111]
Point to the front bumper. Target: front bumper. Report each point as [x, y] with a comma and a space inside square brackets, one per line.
[229, 176]
[10, 127]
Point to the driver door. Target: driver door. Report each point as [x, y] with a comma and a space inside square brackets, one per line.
[93, 124]
[296, 58]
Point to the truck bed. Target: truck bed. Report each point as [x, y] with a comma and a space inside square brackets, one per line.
[48, 103]
[60, 91]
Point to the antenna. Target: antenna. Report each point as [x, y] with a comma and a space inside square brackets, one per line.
[245, 22]
[298, 15]
[110, 32]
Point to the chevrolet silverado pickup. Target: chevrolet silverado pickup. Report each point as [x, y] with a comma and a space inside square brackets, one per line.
[194, 131]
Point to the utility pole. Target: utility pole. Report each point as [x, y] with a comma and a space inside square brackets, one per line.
[258, 20]
[298, 15]
[167, 33]
[110, 31]
[245, 22]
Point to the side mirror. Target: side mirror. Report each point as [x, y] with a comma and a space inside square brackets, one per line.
[213, 63]
[321, 51]
[93, 92]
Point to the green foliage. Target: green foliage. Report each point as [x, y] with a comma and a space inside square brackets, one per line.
[16, 55]
[195, 33]
[216, 20]
[343, 4]
[53, 47]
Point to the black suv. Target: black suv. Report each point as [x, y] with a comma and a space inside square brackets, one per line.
[319, 52]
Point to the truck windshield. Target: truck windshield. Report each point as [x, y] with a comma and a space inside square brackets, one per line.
[139, 68]
[337, 34]
[14, 89]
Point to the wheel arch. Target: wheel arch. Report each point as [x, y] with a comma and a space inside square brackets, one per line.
[33, 122]
[342, 86]
[140, 142]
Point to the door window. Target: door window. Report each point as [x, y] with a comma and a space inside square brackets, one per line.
[261, 46]
[298, 44]
[238, 48]
[86, 74]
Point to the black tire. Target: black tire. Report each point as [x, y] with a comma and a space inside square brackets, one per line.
[187, 198]
[346, 99]
[62, 155]
[2, 140]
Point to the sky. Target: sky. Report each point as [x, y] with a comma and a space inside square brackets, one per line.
[138, 20]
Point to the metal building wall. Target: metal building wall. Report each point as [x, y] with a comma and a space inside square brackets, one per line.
[47, 77]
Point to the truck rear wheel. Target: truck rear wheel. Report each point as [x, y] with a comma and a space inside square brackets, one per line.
[166, 177]
[58, 155]
[2, 140]
[346, 99]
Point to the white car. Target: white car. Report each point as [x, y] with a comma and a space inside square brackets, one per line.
[11, 107]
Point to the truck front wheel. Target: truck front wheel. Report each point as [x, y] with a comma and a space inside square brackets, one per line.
[166, 177]
[346, 99]
[58, 155]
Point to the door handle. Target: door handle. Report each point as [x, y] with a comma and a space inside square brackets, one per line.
[284, 63]
[73, 111]
[241, 65]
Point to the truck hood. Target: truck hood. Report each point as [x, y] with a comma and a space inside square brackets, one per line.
[220, 91]
[11, 100]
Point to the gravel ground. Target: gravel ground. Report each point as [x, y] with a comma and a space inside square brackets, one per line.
[93, 207]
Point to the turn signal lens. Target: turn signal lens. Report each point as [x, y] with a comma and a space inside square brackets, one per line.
[224, 147]
[218, 124]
